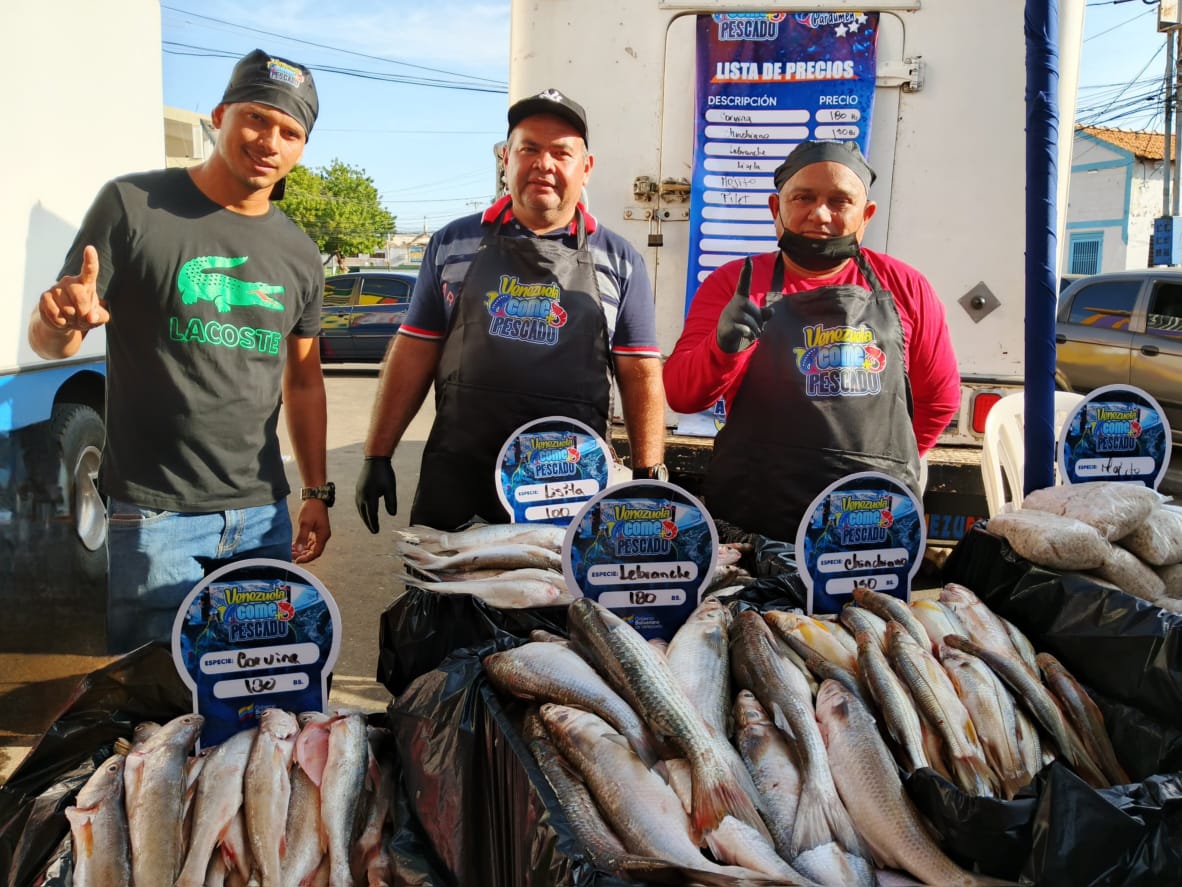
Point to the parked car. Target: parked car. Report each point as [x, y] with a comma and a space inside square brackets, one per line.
[362, 312]
[1124, 327]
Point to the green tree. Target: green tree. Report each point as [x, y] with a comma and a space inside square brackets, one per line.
[337, 206]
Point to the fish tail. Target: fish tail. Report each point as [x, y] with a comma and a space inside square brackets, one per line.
[811, 828]
[715, 795]
[975, 776]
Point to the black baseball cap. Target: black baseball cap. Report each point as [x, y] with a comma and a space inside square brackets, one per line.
[848, 154]
[550, 101]
[280, 83]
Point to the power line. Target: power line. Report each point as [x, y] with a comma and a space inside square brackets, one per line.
[503, 85]
[174, 48]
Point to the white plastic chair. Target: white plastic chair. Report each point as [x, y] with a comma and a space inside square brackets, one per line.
[1003, 454]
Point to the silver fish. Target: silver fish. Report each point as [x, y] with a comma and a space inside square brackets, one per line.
[670, 714]
[219, 797]
[825, 845]
[98, 826]
[547, 672]
[340, 791]
[870, 789]
[545, 535]
[810, 636]
[305, 841]
[938, 620]
[154, 795]
[1040, 702]
[267, 790]
[772, 762]
[890, 607]
[993, 712]
[857, 619]
[503, 557]
[1084, 715]
[894, 702]
[637, 803]
[982, 626]
[504, 594]
[699, 660]
[735, 842]
[936, 700]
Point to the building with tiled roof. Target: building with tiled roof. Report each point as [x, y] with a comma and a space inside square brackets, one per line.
[1114, 198]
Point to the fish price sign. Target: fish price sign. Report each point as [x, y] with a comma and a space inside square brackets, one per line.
[253, 635]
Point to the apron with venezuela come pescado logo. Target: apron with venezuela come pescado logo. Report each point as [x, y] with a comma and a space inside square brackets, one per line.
[826, 394]
[528, 339]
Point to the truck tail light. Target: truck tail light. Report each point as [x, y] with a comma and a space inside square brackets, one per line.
[982, 404]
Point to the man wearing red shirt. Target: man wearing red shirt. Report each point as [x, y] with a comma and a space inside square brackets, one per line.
[831, 359]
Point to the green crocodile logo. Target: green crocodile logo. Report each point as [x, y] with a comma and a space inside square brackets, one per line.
[198, 283]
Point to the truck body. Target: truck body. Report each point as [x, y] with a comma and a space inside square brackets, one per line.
[946, 137]
[76, 121]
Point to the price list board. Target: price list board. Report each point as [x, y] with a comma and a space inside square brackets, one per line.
[765, 83]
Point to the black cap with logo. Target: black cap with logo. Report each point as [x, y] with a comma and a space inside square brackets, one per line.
[550, 101]
[280, 83]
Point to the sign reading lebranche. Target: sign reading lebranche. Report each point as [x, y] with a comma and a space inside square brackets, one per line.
[644, 549]
[253, 635]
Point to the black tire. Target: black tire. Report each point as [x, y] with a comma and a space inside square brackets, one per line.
[77, 434]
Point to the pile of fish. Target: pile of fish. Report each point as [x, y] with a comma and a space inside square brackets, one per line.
[768, 748]
[510, 566]
[295, 801]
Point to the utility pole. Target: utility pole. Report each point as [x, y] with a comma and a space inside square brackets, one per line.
[1166, 244]
[1167, 149]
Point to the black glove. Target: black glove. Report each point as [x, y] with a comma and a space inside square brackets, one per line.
[741, 321]
[376, 480]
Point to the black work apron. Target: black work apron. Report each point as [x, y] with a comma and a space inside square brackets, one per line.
[528, 338]
[826, 394]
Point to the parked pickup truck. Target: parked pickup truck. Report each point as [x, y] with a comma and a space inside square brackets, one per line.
[1124, 327]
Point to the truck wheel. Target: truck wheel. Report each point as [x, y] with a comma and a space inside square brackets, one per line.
[78, 434]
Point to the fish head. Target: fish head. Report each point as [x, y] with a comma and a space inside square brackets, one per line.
[833, 706]
[747, 711]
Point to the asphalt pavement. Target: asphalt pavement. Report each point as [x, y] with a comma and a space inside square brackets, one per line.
[37, 679]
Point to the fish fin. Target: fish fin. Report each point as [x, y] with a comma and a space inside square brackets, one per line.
[780, 720]
[811, 828]
[81, 821]
[975, 776]
[715, 795]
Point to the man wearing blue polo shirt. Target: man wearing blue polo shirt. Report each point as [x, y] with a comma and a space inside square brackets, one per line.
[523, 311]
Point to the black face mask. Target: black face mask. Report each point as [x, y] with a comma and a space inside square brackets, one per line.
[818, 254]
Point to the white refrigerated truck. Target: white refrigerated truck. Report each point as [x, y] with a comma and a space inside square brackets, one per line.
[83, 104]
[947, 139]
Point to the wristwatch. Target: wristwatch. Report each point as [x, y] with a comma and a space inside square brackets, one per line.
[327, 493]
[653, 472]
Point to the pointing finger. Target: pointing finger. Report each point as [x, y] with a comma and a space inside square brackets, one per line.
[744, 287]
[90, 267]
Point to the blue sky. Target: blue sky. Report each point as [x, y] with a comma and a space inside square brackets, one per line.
[429, 148]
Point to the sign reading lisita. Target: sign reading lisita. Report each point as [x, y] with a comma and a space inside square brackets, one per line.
[867, 530]
[253, 635]
[548, 468]
[1117, 432]
[645, 550]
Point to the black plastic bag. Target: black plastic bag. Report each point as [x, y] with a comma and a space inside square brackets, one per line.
[420, 629]
[106, 706]
[1126, 652]
[35, 845]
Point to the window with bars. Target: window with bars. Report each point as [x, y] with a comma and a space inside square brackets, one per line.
[1084, 253]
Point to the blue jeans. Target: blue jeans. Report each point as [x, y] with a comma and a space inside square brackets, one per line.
[157, 557]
